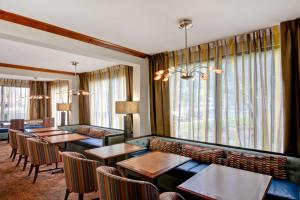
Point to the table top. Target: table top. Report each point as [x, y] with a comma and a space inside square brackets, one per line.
[65, 138]
[114, 150]
[39, 130]
[153, 164]
[51, 133]
[226, 183]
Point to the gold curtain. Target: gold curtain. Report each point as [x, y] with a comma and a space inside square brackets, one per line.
[39, 108]
[290, 53]
[159, 97]
[84, 101]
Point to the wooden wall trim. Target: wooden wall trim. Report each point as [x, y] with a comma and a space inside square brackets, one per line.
[25, 21]
[22, 67]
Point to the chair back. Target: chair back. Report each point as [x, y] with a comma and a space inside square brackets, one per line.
[17, 124]
[22, 143]
[13, 138]
[80, 173]
[41, 152]
[48, 122]
[112, 186]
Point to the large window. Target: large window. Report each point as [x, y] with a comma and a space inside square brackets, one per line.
[14, 100]
[242, 107]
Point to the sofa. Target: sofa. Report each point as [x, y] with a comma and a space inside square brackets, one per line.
[99, 136]
[285, 170]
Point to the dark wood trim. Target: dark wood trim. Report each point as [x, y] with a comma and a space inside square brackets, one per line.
[35, 69]
[25, 21]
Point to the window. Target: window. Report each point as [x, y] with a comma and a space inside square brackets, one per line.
[14, 103]
[243, 107]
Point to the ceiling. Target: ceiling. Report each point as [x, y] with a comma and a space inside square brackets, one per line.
[150, 26]
[34, 56]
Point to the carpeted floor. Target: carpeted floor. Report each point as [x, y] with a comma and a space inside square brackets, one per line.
[16, 185]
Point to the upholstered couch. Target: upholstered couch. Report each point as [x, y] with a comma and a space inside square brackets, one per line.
[284, 170]
[99, 136]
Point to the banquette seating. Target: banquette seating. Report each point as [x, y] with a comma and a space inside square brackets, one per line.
[284, 170]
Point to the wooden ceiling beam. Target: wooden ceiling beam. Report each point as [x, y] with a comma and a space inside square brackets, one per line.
[29, 22]
[22, 67]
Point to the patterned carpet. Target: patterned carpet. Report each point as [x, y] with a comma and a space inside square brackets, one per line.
[15, 184]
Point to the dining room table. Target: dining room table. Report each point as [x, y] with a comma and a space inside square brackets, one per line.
[39, 130]
[51, 133]
[151, 165]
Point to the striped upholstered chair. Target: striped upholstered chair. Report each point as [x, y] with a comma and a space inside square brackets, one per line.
[23, 148]
[48, 122]
[41, 153]
[80, 174]
[13, 143]
[112, 186]
[17, 124]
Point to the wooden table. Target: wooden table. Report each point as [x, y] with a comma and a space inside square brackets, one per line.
[226, 183]
[51, 133]
[39, 130]
[153, 164]
[112, 151]
[65, 138]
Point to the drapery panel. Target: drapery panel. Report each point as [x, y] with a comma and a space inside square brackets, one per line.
[39, 108]
[290, 51]
[14, 102]
[59, 94]
[106, 86]
[243, 106]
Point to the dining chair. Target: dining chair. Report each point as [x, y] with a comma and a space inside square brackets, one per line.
[80, 174]
[13, 143]
[42, 153]
[23, 148]
[112, 186]
[48, 122]
[17, 124]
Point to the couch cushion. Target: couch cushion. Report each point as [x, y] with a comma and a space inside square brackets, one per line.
[188, 169]
[202, 154]
[33, 126]
[164, 146]
[3, 130]
[83, 130]
[91, 142]
[282, 189]
[270, 165]
[138, 153]
[98, 133]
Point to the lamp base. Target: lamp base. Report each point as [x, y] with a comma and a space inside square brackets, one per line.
[128, 126]
[63, 118]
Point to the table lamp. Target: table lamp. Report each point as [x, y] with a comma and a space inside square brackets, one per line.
[63, 107]
[127, 108]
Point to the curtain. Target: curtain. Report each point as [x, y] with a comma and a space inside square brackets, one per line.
[84, 101]
[106, 86]
[159, 97]
[14, 102]
[243, 106]
[39, 108]
[290, 52]
[59, 94]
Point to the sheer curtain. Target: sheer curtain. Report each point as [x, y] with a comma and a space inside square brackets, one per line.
[14, 99]
[243, 106]
[106, 87]
[59, 94]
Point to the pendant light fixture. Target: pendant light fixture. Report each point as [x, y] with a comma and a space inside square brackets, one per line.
[76, 91]
[37, 96]
[185, 71]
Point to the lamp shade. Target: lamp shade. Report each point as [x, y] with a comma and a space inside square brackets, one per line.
[127, 107]
[63, 106]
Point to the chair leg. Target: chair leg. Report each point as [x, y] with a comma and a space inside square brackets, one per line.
[80, 197]
[30, 170]
[67, 194]
[14, 156]
[25, 163]
[56, 165]
[19, 160]
[12, 153]
[36, 173]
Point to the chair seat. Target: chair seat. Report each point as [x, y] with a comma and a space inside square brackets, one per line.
[91, 142]
[3, 130]
[33, 126]
[282, 189]
[188, 169]
[138, 153]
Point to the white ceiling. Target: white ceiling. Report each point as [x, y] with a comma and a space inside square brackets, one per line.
[150, 26]
[34, 56]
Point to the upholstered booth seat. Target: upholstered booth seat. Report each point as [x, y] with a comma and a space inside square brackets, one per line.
[138, 153]
[282, 189]
[3, 133]
[33, 126]
[188, 169]
[91, 143]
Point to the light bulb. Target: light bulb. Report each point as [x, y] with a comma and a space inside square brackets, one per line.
[157, 77]
[160, 72]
